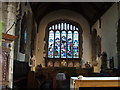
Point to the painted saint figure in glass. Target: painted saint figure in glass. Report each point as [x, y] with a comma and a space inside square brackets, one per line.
[69, 45]
[51, 44]
[57, 44]
[75, 45]
[63, 44]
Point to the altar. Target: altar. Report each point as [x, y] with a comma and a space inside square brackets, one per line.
[94, 82]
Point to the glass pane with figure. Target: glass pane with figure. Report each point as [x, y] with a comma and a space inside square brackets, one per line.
[63, 44]
[57, 44]
[75, 45]
[69, 44]
[51, 44]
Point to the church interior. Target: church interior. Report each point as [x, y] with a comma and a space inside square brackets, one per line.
[54, 45]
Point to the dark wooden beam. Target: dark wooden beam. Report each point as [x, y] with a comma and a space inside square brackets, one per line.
[98, 14]
[41, 9]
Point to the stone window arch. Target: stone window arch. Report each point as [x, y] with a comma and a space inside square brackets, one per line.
[63, 41]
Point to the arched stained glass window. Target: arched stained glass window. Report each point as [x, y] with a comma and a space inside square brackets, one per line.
[63, 41]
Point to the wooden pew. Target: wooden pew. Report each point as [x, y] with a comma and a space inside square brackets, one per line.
[32, 82]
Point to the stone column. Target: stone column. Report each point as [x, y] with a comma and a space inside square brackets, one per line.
[9, 18]
[118, 36]
[118, 44]
[2, 21]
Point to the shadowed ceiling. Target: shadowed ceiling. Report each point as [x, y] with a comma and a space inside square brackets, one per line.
[92, 11]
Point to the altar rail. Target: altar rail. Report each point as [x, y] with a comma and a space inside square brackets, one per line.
[69, 71]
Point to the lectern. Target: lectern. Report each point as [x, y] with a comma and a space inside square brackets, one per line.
[7, 39]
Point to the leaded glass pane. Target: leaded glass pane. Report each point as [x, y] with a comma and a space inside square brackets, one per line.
[73, 27]
[50, 28]
[63, 44]
[75, 45]
[57, 44]
[69, 45]
[51, 44]
[76, 28]
[68, 26]
[65, 26]
[56, 26]
[53, 27]
[61, 26]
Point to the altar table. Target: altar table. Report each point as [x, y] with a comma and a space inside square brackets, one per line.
[94, 82]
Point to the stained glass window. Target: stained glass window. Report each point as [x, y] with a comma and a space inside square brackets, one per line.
[63, 41]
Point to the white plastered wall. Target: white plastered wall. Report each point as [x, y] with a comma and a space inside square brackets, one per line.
[63, 14]
[108, 32]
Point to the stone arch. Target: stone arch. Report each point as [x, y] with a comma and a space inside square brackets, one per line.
[50, 64]
[70, 64]
[76, 64]
[56, 64]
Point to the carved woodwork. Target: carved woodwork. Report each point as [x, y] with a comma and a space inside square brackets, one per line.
[5, 58]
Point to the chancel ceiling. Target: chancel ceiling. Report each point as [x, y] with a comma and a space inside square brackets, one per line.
[92, 11]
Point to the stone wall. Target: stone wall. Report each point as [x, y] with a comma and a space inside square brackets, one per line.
[108, 33]
[118, 36]
[8, 12]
